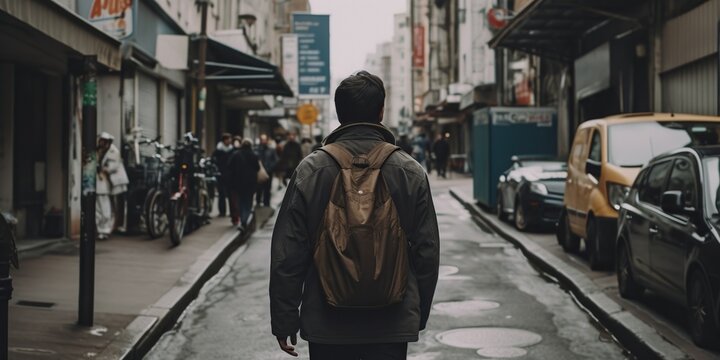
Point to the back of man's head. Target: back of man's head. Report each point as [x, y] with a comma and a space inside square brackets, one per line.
[360, 98]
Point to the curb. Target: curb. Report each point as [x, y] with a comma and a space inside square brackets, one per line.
[640, 339]
[146, 329]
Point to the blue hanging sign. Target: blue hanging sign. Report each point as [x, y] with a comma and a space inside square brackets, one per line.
[313, 32]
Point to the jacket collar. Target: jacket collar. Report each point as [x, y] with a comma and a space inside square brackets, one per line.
[360, 131]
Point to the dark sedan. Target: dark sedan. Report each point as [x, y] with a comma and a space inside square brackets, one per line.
[532, 191]
[668, 238]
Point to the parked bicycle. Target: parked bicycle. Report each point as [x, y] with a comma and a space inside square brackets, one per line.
[155, 208]
[190, 198]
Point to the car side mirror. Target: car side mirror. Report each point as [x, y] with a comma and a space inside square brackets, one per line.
[672, 202]
[593, 168]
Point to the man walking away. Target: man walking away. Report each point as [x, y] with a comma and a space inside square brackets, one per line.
[365, 322]
[243, 167]
[112, 182]
[220, 156]
[441, 149]
[268, 157]
[291, 156]
[404, 144]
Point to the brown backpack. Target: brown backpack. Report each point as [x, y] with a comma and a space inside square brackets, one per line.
[361, 252]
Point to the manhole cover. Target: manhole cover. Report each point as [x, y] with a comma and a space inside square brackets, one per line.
[447, 272]
[464, 308]
[488, 337]
[502, 353]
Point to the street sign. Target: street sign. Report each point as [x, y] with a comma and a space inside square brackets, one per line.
[313, 33]
[115, 17]
[307, 114]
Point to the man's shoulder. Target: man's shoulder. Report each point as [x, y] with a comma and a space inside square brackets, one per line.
[403, 160]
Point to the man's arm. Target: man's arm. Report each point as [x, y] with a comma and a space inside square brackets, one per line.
[425, 250]
[290, 260]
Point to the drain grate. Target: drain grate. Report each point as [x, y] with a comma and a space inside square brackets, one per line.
[38, 304]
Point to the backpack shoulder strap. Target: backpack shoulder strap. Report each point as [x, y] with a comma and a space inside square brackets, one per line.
[380, 153]
[341, 155]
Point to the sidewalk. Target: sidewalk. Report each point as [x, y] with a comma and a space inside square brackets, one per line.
[589, 288]
[141, 287]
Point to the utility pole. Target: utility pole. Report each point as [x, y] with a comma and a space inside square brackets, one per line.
[88, 228]
[8, 256]
[202, 54]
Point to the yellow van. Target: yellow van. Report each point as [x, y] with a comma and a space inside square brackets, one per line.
[606, 156]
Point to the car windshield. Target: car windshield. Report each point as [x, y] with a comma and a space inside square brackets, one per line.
[711, 181]
[634, 144]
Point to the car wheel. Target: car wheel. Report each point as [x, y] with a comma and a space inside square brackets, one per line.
[569, 241]
[592, 246]
[500, 205]
[520, 216]
[627, 285]
[701, 315]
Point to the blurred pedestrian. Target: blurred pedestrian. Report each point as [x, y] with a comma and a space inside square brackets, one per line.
[404, 143]
[291, 156]
[112, 182]
[243, 168]
[221, 155]
[441, 150]
[306, 146]
[268, 157]
[419, 149]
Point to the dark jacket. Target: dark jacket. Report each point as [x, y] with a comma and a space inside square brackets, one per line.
[243, 167]
[268, 156]
[291, 155]
[293, 278]
[441, 149]
[220, 156]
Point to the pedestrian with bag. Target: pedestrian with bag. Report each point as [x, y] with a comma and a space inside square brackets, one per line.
[268, 158]
[111, 185]
[243, 167]
[355, 248]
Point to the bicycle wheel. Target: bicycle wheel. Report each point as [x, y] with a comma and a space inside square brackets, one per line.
[177, 219]
[157, 214]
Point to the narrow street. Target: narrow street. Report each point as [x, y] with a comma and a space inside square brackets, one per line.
[490, 303]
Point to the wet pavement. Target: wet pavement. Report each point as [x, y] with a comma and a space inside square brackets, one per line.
[490, 303]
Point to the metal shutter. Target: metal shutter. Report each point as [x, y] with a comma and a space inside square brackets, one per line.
[171, 120]
[148, 105]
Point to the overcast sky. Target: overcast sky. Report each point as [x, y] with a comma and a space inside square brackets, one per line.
[356, 26]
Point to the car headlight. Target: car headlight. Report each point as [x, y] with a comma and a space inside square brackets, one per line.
[616, 194]
[539, 188]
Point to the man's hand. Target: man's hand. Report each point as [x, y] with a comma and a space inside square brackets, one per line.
[282, 341]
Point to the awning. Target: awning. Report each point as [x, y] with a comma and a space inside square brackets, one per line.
[249, 75]
[66, 27]
[554, 28]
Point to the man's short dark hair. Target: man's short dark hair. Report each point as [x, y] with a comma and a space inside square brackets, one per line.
[360, 98]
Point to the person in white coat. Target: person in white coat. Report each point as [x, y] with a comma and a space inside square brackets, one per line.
[112, 182]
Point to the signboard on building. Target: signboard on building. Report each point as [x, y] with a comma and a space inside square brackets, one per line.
[115, 17]
[307, 114]
[418, 55]
[290, 61]
[313, 38]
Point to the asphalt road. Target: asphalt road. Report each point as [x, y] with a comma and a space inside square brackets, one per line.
[490, 303]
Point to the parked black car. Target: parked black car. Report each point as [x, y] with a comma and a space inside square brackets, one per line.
[532, 191]
[668, 238]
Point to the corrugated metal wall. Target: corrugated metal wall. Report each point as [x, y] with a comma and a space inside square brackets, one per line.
[689, 58]
[692, 88]
[690, 36]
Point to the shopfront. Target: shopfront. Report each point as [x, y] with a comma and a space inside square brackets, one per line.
[43, 48]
